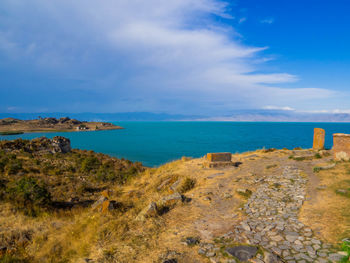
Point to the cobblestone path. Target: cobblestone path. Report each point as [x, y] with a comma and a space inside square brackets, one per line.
[272, 223]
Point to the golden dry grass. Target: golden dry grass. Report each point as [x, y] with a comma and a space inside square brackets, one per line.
[116, 236]
[329, 213]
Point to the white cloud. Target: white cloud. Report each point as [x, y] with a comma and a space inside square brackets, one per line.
[285, 108]
[269, 20]
[242, 20]
[147, 55]
[333, 111]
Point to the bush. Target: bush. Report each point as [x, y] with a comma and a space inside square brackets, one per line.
[318, 156]
[12, 259]
[14, 166]
[90, 163]
[316, 169]
[346, 248]
[3, 162]
[29, 194]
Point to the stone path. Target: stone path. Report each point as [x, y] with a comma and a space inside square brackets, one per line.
[272, 223]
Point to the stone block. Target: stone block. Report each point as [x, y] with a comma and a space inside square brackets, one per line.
[319, 137]
[219, 157]
[341, 146]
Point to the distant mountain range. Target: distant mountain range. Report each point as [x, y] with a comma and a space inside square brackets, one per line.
[236, 115]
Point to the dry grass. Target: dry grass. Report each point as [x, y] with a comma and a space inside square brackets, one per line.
[329, 212]
[72, 235]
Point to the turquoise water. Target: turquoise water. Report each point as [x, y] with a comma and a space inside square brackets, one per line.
[155, 143]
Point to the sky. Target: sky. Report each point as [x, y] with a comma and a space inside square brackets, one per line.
[174, 56]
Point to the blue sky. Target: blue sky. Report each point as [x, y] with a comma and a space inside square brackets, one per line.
[174, 56]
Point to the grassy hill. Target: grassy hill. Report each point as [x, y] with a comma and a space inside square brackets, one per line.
[82, 206]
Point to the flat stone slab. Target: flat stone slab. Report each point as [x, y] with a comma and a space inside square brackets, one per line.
[219, 157]
[242, 253]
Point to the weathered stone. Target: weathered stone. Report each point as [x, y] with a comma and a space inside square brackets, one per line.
[98, 203]
[191, 241]
[171, 200]
[242, 253]
[149, 211]
[245, 226]
[341, 146]
[319, 137]
[219, 160]
[201, 251]
[335, 257]
[211, 254]
[219, 157]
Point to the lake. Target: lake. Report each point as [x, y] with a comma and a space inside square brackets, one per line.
[155, 143]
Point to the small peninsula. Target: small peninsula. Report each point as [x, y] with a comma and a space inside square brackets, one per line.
[11, 126]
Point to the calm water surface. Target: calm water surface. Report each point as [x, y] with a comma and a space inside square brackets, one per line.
[155, 143]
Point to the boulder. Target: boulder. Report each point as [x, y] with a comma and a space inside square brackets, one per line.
[171, 200]
[242, 253]
[60, 145]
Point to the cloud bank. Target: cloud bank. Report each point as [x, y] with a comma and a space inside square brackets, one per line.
[179, 56]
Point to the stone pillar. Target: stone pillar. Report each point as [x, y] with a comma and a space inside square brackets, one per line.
[319, 135]
[341, 146]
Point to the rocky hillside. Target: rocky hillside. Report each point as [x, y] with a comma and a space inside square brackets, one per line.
[80, 206]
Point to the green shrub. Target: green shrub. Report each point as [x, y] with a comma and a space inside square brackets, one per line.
[90, 163]
[316, 169]
[47, 168]
[318, 156]
[12, 259]
[3, 162]
[14, 166]
[346, 247]
[29, 194]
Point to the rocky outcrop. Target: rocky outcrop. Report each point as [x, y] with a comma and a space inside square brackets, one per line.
[60, 144]
[57, 144]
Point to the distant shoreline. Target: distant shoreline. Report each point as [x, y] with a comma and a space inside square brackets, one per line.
[12, 126]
